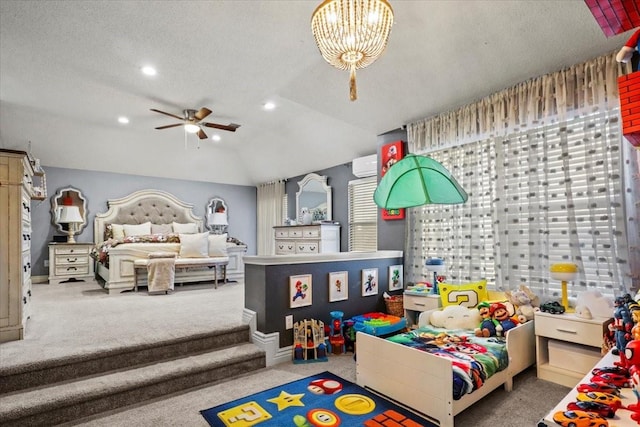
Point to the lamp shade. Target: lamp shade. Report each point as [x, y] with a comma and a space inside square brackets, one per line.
[415, 181]
[70, 214]
[217, 218]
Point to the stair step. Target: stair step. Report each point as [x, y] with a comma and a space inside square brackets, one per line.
[22, 377]
[81, 398]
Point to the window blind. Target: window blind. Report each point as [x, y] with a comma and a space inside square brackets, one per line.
[363, 215]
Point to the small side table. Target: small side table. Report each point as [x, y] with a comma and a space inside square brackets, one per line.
[416, 304]
[70, 261]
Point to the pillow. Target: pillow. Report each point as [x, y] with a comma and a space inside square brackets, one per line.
[194, 245]
[468, 295]
[161, 228]
[188, 228]
[218, 244]
[455, 317]
[117, 231]
[137, 230]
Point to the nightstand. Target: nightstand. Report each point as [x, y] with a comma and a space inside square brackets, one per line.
[70, 261]
[567, 347]
[416, 304]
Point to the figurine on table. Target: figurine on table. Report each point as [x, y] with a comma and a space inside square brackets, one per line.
[622, 325]
[632, 355]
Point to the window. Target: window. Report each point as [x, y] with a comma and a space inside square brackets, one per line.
[363, 215]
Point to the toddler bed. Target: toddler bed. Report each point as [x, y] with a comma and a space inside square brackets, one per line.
[163, 219]
[424, 381]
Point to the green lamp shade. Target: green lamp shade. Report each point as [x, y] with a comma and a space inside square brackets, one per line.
[415, 181]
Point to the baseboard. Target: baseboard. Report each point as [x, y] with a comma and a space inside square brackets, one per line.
[269, 343]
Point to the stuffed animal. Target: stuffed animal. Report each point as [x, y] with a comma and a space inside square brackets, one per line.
[598, 305]
[455, 317]
[625, 54]
[500, 313]
[487, 326]
[526, 303]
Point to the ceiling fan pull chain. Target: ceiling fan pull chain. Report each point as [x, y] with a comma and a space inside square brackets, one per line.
[353, 93]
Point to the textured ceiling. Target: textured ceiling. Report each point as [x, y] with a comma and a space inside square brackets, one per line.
[68, 69]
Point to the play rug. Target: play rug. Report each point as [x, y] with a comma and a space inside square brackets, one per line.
[322, 400]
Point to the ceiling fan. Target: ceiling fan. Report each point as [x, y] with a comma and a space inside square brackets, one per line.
[192, 122]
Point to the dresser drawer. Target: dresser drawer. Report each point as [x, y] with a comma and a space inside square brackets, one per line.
[308, 248]
[282, 233]
[26, 208]
[418, 303]
[72, 250]
[285, 248]
[296, 232]
[72, 259]
[72, 270]
[26, 238]
[311, 232]
[26, 265]
[567, 328]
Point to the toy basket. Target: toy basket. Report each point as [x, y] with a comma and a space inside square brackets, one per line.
[395, 306]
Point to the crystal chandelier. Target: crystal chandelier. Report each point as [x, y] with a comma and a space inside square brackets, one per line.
[352, 34]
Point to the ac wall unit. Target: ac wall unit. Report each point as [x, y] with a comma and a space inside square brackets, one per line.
[365, 166]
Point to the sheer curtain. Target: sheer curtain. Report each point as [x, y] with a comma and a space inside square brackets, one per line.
[270, 196]
[550, 180]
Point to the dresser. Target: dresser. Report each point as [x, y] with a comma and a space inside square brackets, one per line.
[235, 268]
[70, 261]
[16, 191]
[567, 347]
[307, 239]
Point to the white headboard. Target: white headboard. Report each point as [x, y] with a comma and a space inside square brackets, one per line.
[156, 206]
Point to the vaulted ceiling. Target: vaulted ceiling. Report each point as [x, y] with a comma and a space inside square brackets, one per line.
[69, 69]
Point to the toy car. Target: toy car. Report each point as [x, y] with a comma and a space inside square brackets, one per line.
[596, 396]
[553, 307]
[601, 387]
[610, 370]
[579, 419]
[611, 379]
[596, 407]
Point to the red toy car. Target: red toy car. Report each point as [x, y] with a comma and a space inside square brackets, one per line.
[601, 409]
[610, 370]
[601, 387]
[617, 380]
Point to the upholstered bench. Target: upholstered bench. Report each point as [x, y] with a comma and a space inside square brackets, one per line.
[187, 263]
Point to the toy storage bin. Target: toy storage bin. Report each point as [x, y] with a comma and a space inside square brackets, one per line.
[573, 357]
[395, 305]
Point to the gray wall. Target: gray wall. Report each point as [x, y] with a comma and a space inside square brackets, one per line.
[98, 187]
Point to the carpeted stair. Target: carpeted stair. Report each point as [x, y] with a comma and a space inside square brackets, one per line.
[57, 391]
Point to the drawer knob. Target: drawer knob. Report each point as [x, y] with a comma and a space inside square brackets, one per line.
[71, 268]
[72, 260]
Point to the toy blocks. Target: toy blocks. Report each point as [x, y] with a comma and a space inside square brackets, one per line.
[629, 87]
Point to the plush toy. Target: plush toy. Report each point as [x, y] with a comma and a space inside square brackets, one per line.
[625, 54]
[455, 317]
[487, 326]
[500, 313]
[598, 305]
[526, 303]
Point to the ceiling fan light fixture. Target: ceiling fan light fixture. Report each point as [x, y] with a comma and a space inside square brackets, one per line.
[352, 34]
[191, 128]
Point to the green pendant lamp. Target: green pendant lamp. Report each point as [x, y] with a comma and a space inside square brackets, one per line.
[415, 181]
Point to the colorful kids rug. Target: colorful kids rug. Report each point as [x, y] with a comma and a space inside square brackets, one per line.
[322, 400]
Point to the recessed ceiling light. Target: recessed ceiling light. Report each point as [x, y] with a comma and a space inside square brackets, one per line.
[149, 70]
[269, 106]
[215, 137]
[123, 120]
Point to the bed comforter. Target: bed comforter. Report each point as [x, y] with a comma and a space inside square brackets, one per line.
[474, 359]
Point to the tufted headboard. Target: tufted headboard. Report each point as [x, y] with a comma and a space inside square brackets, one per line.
[156, 206]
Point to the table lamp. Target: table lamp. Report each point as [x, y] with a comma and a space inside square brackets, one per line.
[218, 222]
[436, 265]
[564, 272]
[70, 215]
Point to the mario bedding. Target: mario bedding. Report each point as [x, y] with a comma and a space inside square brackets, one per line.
[474, 359]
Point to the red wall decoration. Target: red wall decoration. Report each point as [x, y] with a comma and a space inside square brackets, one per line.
[390, 154]
[629, 87]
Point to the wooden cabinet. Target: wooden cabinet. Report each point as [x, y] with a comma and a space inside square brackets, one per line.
[307, 239]
[567, 347]
[416, 304]
[70, 261]
[235, 268]
[16, 191]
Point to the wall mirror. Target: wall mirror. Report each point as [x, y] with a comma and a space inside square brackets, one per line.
[313, 197]
[217, 215]
[69, 212]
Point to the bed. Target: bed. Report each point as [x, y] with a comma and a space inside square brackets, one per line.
[423, 382]
[117, 258]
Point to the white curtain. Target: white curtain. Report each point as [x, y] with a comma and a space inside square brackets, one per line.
[550, 178]
[270, 196]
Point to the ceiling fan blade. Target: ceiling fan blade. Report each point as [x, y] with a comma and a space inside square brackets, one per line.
[167, 114]
[169, 126]
[201, 134]
[202, 113]
[230, 127]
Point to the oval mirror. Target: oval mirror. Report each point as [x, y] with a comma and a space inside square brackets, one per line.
[314, 197]
[217, 215]
[69, 211]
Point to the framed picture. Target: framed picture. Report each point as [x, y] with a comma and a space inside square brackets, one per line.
[395, 277]
[390, 154]
[338, 286]
[300, 291]
[369, 282]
